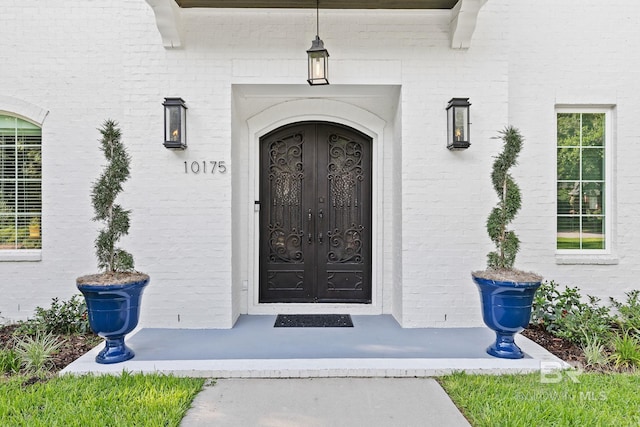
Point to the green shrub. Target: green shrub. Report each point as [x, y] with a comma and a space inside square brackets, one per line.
[9, 361]
[66, 317]
[509, 202]
[35, 352]
[563, 314]
[629, 313]
[592, 326]
[550, 305]
[594, 352]
[103, 198]
[625, 351]
[587, 320]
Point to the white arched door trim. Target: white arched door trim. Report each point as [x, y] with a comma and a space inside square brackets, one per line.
[326, 110]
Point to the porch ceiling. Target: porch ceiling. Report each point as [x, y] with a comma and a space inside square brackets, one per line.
[324, 4]
[464, 13]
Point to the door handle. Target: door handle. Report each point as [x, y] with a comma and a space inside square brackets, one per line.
[309, 222]
[320, 226]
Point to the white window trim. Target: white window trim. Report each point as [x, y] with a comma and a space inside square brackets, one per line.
[10, 255]
[25, 110]
[607, 255]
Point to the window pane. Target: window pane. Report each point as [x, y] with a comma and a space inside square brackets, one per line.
[7, 163]
[593, 233]
[568, 164]
[29, 233]
[593, 130]
[568, 129]
[29, 198]
[568, 198]
[7, 125]
[7, 139]
[20, 184]
[30, 161]
[592, 198]
[568, 232]
[7, 233]
[593, 164]
[7, 197]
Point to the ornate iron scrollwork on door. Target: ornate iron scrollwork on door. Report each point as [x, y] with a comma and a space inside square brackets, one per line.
[286, 172]
[315, 214]
[345, 175]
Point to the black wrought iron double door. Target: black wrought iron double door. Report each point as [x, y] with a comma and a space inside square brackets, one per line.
[315, 214]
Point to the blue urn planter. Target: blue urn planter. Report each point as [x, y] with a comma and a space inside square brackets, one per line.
[113, 311]
[506, 309]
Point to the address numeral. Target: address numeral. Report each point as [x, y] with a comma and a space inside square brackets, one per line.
[205, 167]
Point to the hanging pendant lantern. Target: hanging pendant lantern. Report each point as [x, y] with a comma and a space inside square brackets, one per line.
[318, 58]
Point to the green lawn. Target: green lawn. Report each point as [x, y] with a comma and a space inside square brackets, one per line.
[486, 400]
[126, 400]
[556, 400]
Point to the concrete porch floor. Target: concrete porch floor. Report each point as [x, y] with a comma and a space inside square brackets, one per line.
[375, 347]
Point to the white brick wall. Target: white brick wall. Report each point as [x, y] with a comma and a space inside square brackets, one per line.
[586, 55]
[92, 60]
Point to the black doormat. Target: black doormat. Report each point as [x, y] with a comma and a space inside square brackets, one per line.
[313, 321]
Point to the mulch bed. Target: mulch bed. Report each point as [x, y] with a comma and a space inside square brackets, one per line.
[565, 350]
[72, 348]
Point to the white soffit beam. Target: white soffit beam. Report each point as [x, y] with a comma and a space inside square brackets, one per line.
[168, 21]
[464, 16]
[463, 22]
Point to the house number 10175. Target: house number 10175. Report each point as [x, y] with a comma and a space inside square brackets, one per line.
[204, 166]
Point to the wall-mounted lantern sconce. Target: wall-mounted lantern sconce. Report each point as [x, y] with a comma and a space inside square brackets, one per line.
[458, 124]
[318, 58]
[175, 123]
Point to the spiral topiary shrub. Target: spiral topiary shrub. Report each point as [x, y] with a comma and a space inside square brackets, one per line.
[506, 294]
[116, 263]
[500, 262]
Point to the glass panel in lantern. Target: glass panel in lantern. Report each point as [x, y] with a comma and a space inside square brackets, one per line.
[461, 133]
[173, 123]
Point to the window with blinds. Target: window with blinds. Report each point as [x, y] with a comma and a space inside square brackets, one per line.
[582, 167]
[20, 184]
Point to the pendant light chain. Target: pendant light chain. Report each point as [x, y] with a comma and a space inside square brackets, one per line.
[317, 17]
